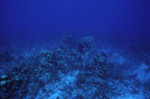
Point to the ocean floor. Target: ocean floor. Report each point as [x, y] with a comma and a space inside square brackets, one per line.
[72, 69]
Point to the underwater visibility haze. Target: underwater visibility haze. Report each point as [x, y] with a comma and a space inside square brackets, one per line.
[74, 49]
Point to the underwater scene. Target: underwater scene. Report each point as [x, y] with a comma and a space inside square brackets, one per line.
[74, 49]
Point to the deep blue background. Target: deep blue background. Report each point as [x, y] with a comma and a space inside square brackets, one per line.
[22, 19]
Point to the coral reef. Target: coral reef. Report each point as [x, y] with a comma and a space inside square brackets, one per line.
[69, 71]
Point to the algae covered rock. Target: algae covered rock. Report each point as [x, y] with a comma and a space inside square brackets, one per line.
[86, 44]
[68, 40]
[11, 85]
[100, 59]
[3, 82]
[48, 58]
[5, 56]
[101, 65]
[49, 63]
[3, 76]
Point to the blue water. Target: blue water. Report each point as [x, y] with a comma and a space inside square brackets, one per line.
[74, 49]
